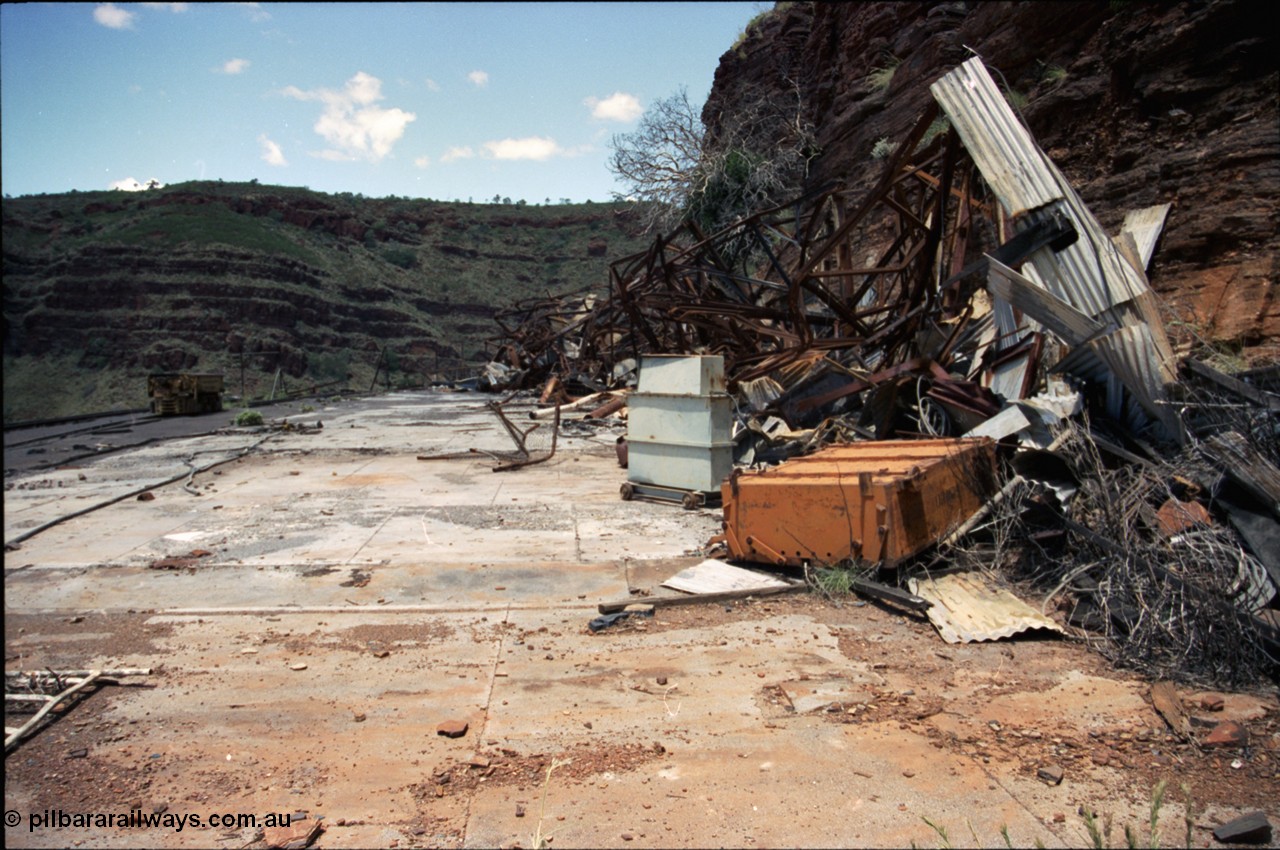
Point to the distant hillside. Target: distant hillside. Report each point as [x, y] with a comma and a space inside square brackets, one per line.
[102, 288]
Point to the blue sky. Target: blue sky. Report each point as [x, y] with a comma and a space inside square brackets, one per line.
[432, 100]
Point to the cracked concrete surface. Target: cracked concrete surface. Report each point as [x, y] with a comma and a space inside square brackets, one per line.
[417, 591]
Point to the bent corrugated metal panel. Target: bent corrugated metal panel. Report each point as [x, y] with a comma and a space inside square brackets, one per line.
[1090, 275]
[966, 609]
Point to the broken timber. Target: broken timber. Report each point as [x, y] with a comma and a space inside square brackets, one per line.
[68, 683]
[698, 598]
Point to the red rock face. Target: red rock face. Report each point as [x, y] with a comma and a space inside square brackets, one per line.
[1138, 104]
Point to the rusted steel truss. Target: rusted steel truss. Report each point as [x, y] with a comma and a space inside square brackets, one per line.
[828, 280]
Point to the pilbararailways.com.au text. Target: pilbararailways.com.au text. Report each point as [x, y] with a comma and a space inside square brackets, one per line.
[138, 819]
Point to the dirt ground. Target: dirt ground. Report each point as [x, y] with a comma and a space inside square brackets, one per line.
[351, 598]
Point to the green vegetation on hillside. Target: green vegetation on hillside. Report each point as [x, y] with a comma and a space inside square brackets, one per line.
[102, 288]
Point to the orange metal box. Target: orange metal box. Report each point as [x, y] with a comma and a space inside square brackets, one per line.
[878, 501]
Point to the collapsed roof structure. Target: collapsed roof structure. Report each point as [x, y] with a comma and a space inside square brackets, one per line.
[971, 292]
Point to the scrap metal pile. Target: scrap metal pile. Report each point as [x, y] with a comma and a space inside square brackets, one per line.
[971, 292]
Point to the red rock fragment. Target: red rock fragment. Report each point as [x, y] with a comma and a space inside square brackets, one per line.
[295, 836]
[1228, 733]
[1175, 517]
[452, 728]
[1050, 774]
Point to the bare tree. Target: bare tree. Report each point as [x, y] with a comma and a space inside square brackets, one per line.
[656, 163]
[751, 157]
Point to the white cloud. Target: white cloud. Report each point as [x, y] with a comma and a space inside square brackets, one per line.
[129, 184]
[271, 153]
[235, 66]
[479, 78]
[111, 15]
[422, 161]
[432, 85]
[352, 122]
[172, 7]
[456, 153]
[535, 148]
[618, 106]
[255, 11]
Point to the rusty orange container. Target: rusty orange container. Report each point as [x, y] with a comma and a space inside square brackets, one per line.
[880, 501]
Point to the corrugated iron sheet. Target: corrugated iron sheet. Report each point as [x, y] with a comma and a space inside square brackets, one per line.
[1009, 379]
[1090, 275]
[1145, 226]
[1128, 355]
[1003, 149]
[966, 609]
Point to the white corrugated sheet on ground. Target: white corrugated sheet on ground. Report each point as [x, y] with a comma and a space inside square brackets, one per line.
[966, 609]
[712, 576]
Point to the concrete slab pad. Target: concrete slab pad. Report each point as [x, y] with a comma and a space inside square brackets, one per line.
[420, 591]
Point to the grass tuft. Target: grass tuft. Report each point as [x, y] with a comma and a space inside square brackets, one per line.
[883, 148]
[881, 77]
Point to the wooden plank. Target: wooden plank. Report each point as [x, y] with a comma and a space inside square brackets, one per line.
[65, 674]
[1232, 384]
[1073, 326]
[695, 599]
[1165, 699]
[885, 593]
[12, 740]
[1247, 466]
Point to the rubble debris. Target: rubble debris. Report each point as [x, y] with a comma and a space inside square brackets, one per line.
[970, 292]
[1176, 516]
[805, 696]
[966, 608]
[527, 452]
[1228, 733]
[1050, 774]
[300, 833]
[1253, 828]
[612, 618]
[180, 562]
[1164, 698]
[50, 690]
